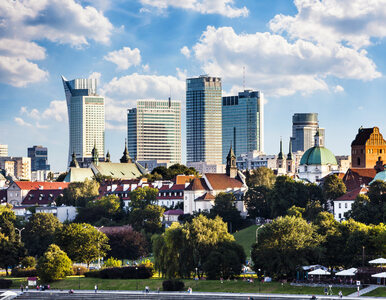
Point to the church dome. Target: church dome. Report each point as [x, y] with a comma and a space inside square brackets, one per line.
[380, 176]
[318, 156]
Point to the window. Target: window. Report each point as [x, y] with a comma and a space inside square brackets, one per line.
[358, 161]
[345, 205]
[340, 205]
[340, 216]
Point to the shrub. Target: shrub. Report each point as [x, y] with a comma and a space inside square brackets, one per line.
[122, 273]
[29, 272]
[78, 270]
[173, 285]
[112, 262]
[5, 283]
[28, 262]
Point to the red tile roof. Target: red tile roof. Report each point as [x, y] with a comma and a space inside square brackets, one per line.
[182, 179]
[351, 196]
[198, 184]
[355, 177]
[206, 197]
[41, 197]
[223, 181]
[35, 185]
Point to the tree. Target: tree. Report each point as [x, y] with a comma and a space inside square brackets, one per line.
[361, 210]
[28, 262]
[296, 211]
[333, 187]
[261, 177]
[173, 171]
[83, 242]
[126, 243]
[105, 207]
[112, 263]
[40, 232]
[256, 200]
[148, 218]
[60, 177]
[54, 264]
[79, 193]
[284, 245]
[224, 206]
[141, 197]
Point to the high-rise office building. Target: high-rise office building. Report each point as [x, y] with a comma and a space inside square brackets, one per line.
[3, 150]
[242, 123]
[86, 117]
[203, 119]
[39, 157]
[304, 128]
[154, 130]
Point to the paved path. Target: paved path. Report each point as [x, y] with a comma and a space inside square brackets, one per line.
[365, 290]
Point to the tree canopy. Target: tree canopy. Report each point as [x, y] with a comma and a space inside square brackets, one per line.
[173, 171]
[54, 264]
[79, 193]
[333, 187]
[260, 177]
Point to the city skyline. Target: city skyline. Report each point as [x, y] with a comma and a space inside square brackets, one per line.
[135, 51]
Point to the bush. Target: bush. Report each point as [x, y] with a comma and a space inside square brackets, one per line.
[112, 263]
[78, 270]
[5, 283]
[122, 273]
[29, 272]
[173, 285]
[28, 262]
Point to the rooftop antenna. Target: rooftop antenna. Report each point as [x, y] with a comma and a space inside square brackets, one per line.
[244, 78]
[170, 96]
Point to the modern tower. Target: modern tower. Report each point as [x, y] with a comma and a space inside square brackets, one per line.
[39, 157]
[86, 117]
[154, 130]
[243, 123]
[203, 119]
[304, 128]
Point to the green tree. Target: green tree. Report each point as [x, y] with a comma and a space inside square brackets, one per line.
[40, 232]
[61, 177]
[83, 242]
[284, 245]
[224, 206]
[141, 197]
[333, 187]
[173, 171]
[147, 219]
[256, 200]
[79, 193]
[108, 207]
[28, 262]
[361, 210]
[112, 263]
[296, 211]
[54, 264]
[261, 177]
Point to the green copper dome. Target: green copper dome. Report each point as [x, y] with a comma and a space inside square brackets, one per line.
[380, 176]
[318, 156]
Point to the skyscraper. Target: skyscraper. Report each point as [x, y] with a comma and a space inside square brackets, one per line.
[86, 117]
[39, 157]
[304, 128]
[154, 130]
[203, 119]
[243, 123]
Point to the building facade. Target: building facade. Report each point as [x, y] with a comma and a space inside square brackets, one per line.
[39, 157]
[86, 117]
[367, 148]
[203, 119]
[3, 150]
[19, 167]
[304, 128]
[243, 123]
[154, 130]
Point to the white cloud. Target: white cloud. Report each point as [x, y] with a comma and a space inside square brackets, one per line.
[23, 23]
[57, 111]
[338, 89]
[124, 58]
[221, 7]
[21, 122]
[185, 51]
[95, 75]
[275, 65]
[335, 21]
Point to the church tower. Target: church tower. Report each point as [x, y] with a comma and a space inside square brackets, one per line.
[231, 168]
[280, 157]
[126, 157]
[290, 160]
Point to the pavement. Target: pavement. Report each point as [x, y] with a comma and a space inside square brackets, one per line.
[365, 290]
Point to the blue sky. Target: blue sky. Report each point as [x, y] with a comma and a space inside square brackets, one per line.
[304, 55]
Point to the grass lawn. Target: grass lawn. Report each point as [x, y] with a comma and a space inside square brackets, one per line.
[239, 286]
[246, 238]
[379, 292]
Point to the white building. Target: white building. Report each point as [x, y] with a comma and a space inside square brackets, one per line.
[63, 213]
[203, 167]
[154, 130]
[344, 203]
[19, 167]
[150, 165]
[86, 117]
[3, 150]
[255, 159]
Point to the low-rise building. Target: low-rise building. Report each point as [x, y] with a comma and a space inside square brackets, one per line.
[20, 167]
[356, 177]
[203, 167]
[344, 203]
[63, 213]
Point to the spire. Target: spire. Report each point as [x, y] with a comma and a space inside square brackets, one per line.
[74, 163]
[289, 155]
[280, 156]
[108, 156]
[126, 157]
[94, 154]
[231, 169]
[318, 139]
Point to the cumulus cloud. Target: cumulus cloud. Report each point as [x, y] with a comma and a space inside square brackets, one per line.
[23, 23]
[56, 111]
[124, 58]
[95, 75]
[277, 66]
[21, 122]
[222, 7]
[334, 21]
[185, 51]
[338, 89]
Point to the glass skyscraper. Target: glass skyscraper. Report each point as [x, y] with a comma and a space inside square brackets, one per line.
[86, 117]
[243, 123]
[304, 127]
[203, 119]
[39, 157]
[154, 130]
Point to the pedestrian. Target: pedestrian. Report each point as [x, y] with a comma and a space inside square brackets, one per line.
[21, 288]
[26, 288]
[340, 294]
[146, 289]
[325, 291]
[96, 288]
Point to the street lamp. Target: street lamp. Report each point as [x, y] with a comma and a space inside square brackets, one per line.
[257, 232]
[19, 231]
[136, 271]
[99, 259]
[79, 277]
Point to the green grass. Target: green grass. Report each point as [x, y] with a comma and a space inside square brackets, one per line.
[246, 238]
[239, 286]
[379, 292]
